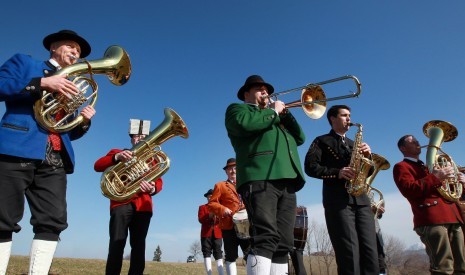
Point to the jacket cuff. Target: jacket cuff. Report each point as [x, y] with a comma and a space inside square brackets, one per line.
[33, 87]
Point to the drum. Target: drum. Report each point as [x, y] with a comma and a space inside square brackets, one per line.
[241, 224]
[300, 227]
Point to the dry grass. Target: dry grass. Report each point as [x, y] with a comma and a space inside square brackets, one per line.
[72, 266]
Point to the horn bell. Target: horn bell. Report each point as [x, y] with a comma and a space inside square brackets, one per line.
[317, 95]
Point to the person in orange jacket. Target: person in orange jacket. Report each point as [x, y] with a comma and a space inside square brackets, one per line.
[224, 203]
[132, 215]
[211, 238]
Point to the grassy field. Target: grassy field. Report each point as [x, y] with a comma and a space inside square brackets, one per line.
[71, 266]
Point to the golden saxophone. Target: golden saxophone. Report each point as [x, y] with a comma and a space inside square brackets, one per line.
[360, 165]
[122, 181]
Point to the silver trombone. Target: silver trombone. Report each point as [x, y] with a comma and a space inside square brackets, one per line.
[313, 98]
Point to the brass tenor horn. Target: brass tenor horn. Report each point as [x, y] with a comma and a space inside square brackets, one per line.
[122, 181]
[313, 98]
[115, 64]
[376, 200]
[439, 131]
[380, 163]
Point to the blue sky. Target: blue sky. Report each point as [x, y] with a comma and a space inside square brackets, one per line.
[193, 56]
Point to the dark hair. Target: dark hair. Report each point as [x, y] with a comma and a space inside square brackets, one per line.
[401, 141]
[334, 110]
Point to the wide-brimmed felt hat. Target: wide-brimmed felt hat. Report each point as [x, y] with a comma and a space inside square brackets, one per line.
[252, 81]
[230, 162]
[209, 192]
[68, 35]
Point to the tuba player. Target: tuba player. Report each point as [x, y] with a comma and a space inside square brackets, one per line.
[435, 220]
[34, 162]
[133, 215]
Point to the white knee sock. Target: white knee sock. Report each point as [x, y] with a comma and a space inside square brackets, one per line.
[5, 251]
[258, 265]
[207, 262]
[231, 268]
[41, 256]
[219, 265]
[279, 269]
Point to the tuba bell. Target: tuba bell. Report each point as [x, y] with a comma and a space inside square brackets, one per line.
[439, 131]
[122, 181]
[115, 64]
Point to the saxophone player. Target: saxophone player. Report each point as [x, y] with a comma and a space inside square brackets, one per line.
[435, 220]
[34, 162]
[349, 218]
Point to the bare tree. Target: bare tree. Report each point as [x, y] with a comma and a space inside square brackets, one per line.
[394, 249]
[309, 243]
[322, 246]
[415, 262]
[195, 249]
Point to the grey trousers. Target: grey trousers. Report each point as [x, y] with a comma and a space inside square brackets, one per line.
[444, 245]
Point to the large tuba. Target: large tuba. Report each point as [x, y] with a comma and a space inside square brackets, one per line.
[115, 64]
[361, 166]
[439, 131]
[122, 181]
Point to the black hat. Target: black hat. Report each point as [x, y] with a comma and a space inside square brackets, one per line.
[251, 81]
[230, 162]
[209, 192]
[67, 35]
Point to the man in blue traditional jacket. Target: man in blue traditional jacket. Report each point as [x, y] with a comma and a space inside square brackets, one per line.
[34, 161]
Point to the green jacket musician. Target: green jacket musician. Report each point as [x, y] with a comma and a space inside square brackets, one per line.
[265, 137]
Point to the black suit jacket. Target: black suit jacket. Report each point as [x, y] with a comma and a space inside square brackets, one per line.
[326, 156]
